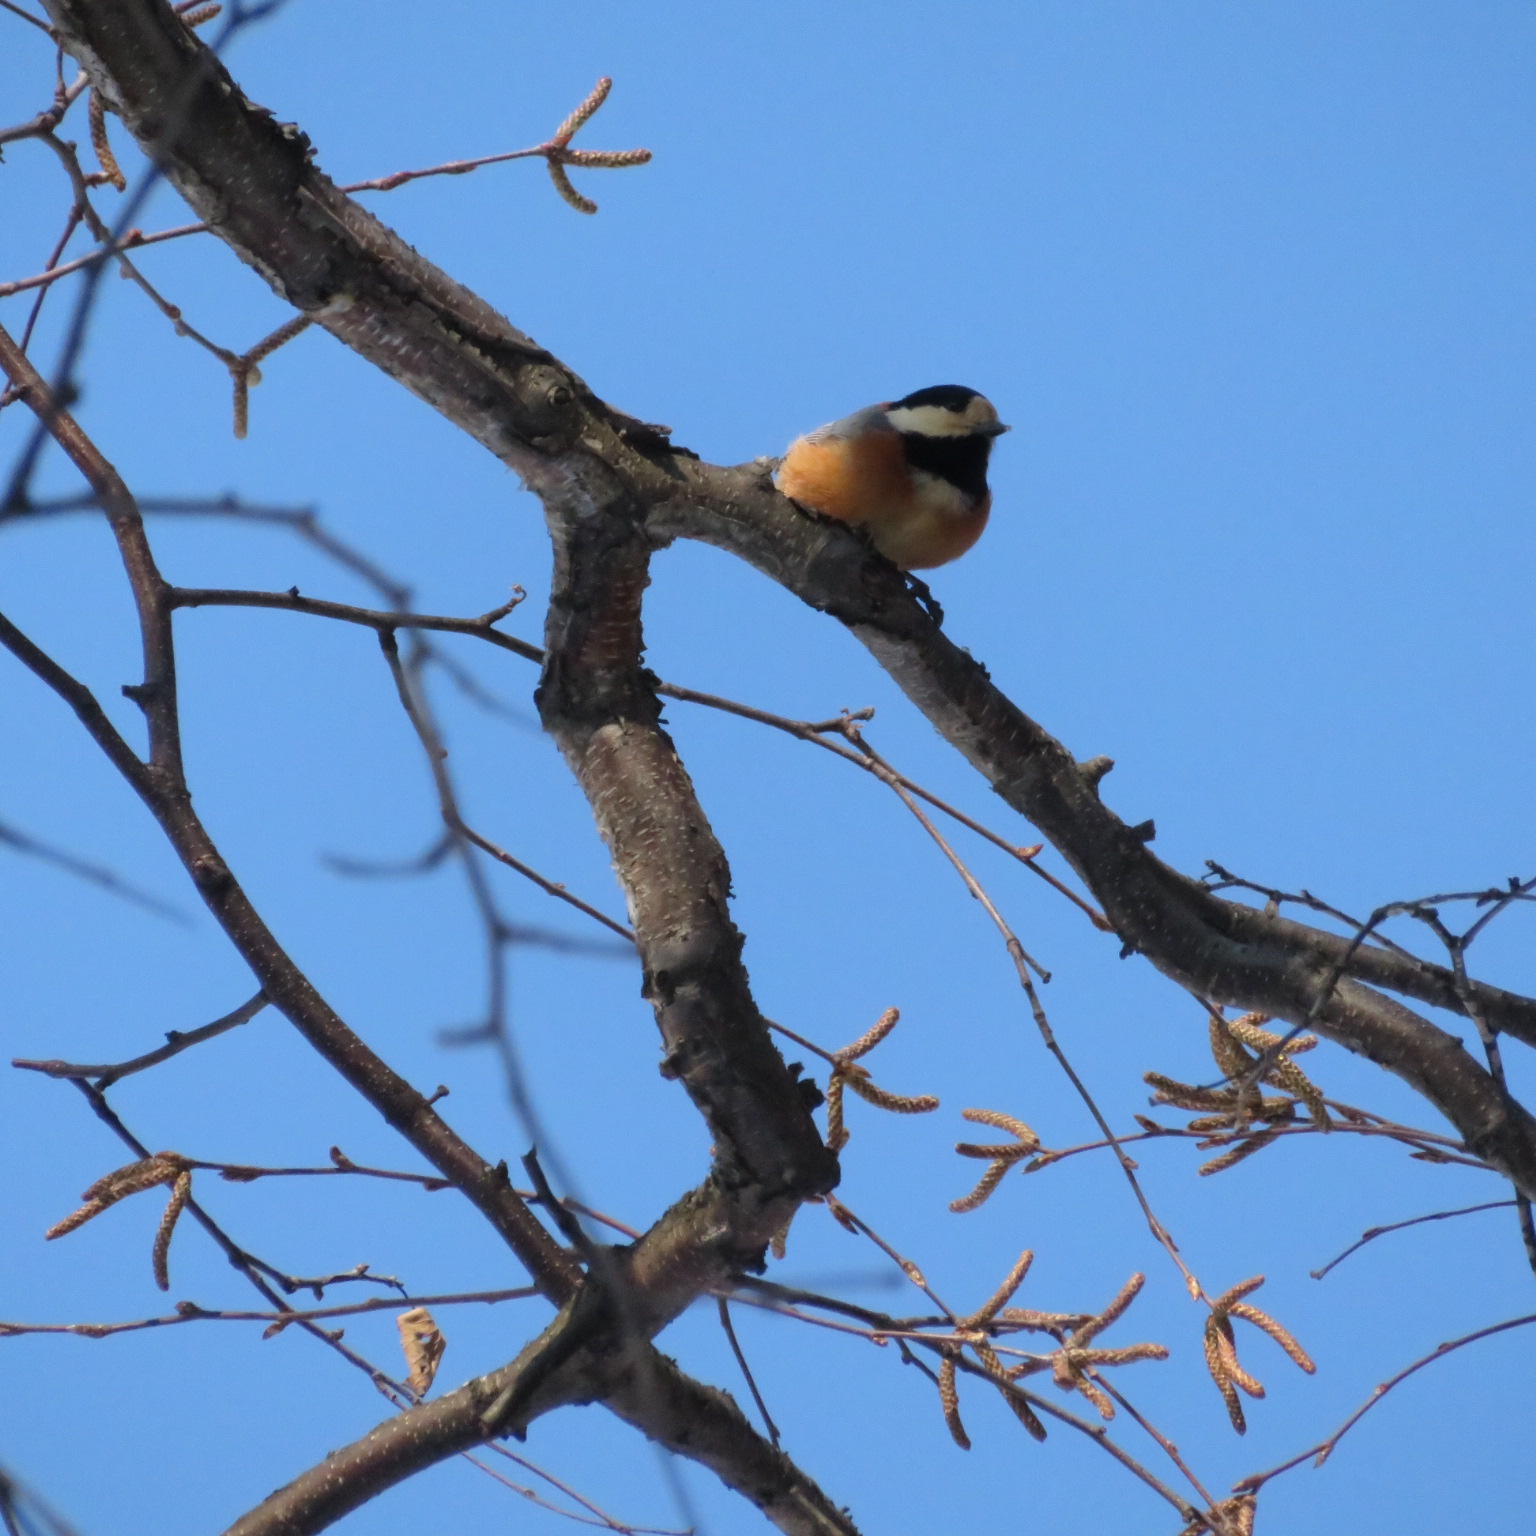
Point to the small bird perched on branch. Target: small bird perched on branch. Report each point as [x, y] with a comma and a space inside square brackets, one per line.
[913, 472]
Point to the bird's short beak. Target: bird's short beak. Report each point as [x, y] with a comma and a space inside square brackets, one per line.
[994, 429]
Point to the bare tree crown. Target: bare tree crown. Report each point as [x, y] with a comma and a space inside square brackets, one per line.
[1270, 980]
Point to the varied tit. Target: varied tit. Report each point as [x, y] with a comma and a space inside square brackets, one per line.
[913, 472]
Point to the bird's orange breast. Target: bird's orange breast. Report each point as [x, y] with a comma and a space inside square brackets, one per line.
[854, 479]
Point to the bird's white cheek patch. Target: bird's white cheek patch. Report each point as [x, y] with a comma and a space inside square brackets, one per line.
[929, 420]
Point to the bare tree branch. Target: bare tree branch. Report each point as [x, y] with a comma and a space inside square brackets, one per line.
[649, 1392]
[177, 1041]
[190, 1312]
[556, 1366]
[340, 264]
[161, 784]
[613, 490]
[1372, 1233]
[1320, 1452]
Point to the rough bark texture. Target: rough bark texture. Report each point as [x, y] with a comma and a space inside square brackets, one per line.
[614, 490]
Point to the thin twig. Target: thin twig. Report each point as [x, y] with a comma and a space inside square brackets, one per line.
[845, 1217]
[190, 1312]
[340, 1166]
[1225, 880]
[746, 1370]
[949, 1343]
[131, 240]
[1164, 1443]
[553, 151]
[482, 629]
[1372, 1233]
[1022, 963]
[1456, 947]
[816, 733]
[106, 1073]
[71, 224]
[599, 1518]
[1427, 1142]
[1325, 1448]
[36, 21]
[242, 1259]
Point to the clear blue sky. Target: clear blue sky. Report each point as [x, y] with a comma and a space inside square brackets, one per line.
[1253, 284]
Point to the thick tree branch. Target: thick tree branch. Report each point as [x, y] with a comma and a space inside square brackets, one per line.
[398, 1448]
[598, 703]
[1507, 1012]
[706, 1425]
[647, 1390]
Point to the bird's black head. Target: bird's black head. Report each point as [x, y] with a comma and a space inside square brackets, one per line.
[947, 430]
